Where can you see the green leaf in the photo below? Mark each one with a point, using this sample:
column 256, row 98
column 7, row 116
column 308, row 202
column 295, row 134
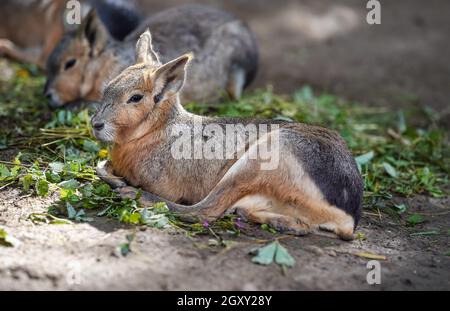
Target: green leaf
column 4, row 171
column 155, row 217
column 90, row 146
column 81, row 216
column 267, row 228
column 87, row 191
column 26, row 181
column 130, row 237
column 7, row 240
column 56, row 167
column 365, row 158
column 102, row 190
column 135, row 218
column 125, row 249
column 401, row 123
column 400, row 208
column 71, row 212
column 282, row 256
column 42, row 187
column 71, row 184
column 265, row 255
column 390, row 169
column 274, row 252
column 104, row 212
column 414, row 219
column 62, row 117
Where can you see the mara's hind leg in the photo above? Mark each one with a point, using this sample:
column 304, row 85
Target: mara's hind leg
column 236, row 82
column 321, row 215
column 262, row 210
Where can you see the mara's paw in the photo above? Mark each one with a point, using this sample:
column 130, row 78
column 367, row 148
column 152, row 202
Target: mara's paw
column 135, row 194
column 5, row 47
column 127, row 192
column 343, row 232
column 290, row 226
column 105, row 172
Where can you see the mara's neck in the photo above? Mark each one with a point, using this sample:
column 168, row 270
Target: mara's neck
column 169, row 113
column 128, row 155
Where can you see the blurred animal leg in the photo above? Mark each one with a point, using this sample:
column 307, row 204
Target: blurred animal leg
column 236, row 82
column 10, row 50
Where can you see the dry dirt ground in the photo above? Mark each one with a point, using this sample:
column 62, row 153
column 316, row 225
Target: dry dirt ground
column 327, row 44
column 85, row 257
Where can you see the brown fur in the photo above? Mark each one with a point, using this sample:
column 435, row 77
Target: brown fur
column 288, row 198
column 39, row 30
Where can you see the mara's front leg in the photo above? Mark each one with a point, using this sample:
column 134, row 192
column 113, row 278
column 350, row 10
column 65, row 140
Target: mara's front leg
column 12, row 51
column 106, row 173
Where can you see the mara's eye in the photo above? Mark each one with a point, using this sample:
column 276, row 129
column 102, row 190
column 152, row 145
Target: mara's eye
column 135, row 99
column 70, row 64
column 157, row 98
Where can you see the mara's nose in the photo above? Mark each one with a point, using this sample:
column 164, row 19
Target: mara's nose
column 98, row 126
column 49, row 95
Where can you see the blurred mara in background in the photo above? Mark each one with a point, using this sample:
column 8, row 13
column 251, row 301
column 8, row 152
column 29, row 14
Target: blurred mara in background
column 30, row 29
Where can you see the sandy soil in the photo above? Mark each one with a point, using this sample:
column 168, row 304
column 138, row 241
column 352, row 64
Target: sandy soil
column 84, row 256
column 326, row 44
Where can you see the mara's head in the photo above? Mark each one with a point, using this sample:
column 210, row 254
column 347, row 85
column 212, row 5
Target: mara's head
column 72, row 65
column 141, row 97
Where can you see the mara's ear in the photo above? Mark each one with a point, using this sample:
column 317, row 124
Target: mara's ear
column 94, row 31
column 144, row 50
column 169, row 78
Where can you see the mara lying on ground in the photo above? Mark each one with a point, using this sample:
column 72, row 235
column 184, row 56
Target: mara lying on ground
column 314, row 185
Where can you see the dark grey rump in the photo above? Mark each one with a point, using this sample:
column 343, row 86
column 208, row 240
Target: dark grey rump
column 331, row 166
column 119, row 17
column 324, row 156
